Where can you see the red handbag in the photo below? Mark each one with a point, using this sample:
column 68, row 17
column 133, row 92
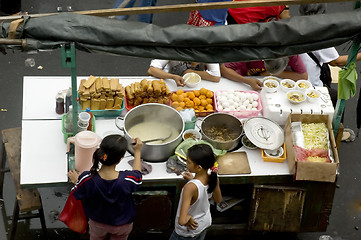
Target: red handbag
column 73, row 215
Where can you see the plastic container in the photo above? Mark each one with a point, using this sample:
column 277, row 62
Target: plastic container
column 108, row 113
column 68, row 122
column 90, row 120
column 85, row 144
column 241, row 113
column 70, row 134
column 201, row 114
column 275, row 159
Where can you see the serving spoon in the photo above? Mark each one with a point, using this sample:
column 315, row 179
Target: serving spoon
column 167, row 134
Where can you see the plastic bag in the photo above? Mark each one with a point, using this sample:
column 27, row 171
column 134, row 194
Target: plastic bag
column 73, row 215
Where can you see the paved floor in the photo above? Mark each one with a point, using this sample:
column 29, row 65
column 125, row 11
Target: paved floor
column 345, row 219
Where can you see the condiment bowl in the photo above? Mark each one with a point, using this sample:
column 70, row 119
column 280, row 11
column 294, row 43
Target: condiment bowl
column 303, row 85
column 312, row 95
column 295, row 96
column 276, row 153
column 191, row 133
column 247, row 143
column 192, row 79
column 287, row 84
column 271, row 85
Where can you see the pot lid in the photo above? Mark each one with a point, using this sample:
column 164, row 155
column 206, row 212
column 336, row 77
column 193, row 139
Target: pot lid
column 264, row 133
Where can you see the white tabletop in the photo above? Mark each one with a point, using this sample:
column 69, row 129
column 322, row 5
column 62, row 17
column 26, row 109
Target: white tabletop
column 43, row 150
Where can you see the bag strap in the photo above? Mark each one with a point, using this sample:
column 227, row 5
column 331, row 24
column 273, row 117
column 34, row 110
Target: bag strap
column 314, row 58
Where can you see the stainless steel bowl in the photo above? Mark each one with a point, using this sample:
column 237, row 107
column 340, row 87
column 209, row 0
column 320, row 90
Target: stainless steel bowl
column 151, row 112
column 222, row 120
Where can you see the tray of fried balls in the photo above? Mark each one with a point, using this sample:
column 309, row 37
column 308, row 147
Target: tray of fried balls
column 146, row 91
column 202, row 101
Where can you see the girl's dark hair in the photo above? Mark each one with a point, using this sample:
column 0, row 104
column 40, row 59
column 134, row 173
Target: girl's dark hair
column 202, row 154
column 111, row 151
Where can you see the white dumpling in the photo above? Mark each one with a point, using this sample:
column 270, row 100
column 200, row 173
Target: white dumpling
column 254, row 109
column 242, row 107
column 219, row 107
column 255, row 97
column 232, row 108
column 254, row 104
column 225, row 104
column 246, row 103
column 226, row 109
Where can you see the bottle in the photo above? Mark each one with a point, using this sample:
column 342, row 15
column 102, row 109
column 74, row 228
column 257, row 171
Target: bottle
column 59, row 107
column 68, row 100
column 90, row 120
column 68, row 122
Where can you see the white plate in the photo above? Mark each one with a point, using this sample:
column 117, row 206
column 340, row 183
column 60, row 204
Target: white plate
column 264, row 133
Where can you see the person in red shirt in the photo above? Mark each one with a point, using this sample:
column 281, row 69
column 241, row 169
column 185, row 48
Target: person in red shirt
column 286, row 67
column 257, row 14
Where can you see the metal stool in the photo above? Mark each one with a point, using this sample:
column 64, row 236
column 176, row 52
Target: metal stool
column 27, row 200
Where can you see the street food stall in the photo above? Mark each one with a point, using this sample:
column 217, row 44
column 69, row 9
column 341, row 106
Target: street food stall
column 269, row 196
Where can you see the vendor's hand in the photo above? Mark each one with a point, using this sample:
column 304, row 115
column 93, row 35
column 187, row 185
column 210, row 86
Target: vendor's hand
column 256, row 84
column 191, row 224
column 137, row 144
column 179, row 80
column 73, row 176
column 187, row 176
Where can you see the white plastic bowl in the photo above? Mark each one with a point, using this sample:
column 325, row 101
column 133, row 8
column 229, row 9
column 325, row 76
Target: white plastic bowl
column 295, row 96
column 193, row 134
column 287, row 84
column 274, row 153
column 271, row 85
column 303, row 85
column 192, row 79
column 312, row 95
column 271, row 78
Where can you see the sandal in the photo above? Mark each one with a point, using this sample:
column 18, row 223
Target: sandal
column 348, row 135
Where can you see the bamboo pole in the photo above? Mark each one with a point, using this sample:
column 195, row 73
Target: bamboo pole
column 8, row 41
column 181, row 8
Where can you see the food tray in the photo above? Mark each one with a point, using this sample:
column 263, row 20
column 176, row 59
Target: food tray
column 275, row 159
column 199, row 114
column 129, row 107
column 244, row 113
column 66, row 134
column 107, row 112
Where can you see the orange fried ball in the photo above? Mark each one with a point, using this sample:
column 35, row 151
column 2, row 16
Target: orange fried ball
column 179, row 92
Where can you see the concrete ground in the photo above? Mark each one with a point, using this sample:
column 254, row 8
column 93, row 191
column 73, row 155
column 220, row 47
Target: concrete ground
column 345, row 219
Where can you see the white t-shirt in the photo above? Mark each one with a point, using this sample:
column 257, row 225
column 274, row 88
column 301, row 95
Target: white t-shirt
column 313, row 70
column 212, row 68
column 199, row 210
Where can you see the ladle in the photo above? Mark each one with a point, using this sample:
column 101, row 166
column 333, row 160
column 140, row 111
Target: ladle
column 167, row 134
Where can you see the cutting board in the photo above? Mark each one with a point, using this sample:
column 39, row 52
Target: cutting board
column 233, row 163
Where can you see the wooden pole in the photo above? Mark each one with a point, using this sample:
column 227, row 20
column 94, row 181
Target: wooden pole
column 182, row 8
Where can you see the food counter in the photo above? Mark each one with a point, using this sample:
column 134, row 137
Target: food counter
column 43, row 148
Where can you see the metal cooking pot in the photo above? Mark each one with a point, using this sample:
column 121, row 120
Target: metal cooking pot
column 223, row 120
column 153, row 112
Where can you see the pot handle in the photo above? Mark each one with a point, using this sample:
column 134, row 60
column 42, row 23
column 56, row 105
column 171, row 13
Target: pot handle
column 121, row 128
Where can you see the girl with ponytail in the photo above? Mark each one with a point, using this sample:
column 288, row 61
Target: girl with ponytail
column 193, row 214
column 106, row 194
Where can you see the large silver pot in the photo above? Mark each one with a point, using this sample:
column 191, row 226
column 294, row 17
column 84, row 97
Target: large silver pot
column 222, row 120
column 153, row 112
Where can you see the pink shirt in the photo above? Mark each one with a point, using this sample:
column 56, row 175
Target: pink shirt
column 254, row 68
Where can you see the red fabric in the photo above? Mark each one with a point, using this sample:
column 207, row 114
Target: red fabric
column 256, row 14
column 196, row 19
column 73, row 215
column 302, row 153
